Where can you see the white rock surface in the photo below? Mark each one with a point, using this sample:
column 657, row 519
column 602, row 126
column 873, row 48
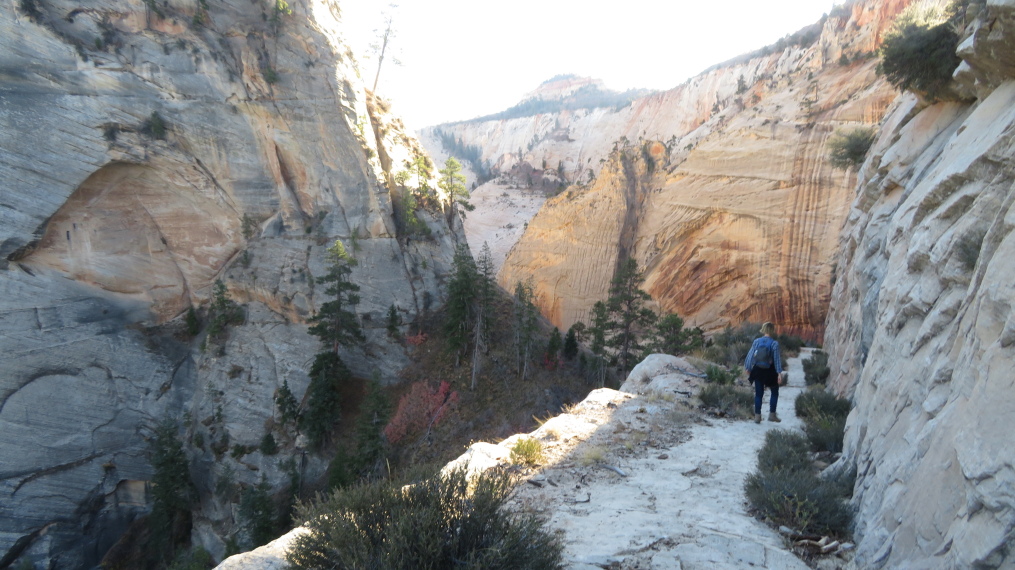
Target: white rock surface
column 920, row 330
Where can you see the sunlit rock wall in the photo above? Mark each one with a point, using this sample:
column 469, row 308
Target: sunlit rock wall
column 734, row 216
column 920, row 330
column 111, row 228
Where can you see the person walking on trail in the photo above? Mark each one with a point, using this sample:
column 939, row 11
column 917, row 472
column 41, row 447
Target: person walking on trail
column 764, row 369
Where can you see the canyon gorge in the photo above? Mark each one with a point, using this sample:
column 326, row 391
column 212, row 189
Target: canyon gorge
column 151, row 149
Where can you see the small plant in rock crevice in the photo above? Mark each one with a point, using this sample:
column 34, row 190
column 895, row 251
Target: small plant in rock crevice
column 527, row 451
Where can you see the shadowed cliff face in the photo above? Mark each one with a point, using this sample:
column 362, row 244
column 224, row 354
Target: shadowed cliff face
column 147, row 150
column 920, row 329
column 719, row 188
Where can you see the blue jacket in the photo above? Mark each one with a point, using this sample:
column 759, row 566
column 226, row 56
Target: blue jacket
column 776, row 357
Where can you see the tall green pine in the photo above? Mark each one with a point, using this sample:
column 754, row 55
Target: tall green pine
column 335, row 323
column 629, row 316
column 525, row 326
column 461, row 303
column 452, row 181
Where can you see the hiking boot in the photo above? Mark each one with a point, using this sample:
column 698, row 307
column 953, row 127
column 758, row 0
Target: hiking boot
column 757, row 418
column 772, row 417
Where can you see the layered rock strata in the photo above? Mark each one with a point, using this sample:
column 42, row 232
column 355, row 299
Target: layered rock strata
column 920, row 329
column 734, row 216
column 148, row 149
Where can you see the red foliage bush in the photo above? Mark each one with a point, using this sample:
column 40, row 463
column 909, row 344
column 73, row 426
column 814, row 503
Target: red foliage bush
column 416, row 340
column 422, row 406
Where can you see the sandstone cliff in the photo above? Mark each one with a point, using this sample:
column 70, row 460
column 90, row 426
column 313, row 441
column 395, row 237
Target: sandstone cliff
column 920, row 328
column 146, row 150
column 734, row 216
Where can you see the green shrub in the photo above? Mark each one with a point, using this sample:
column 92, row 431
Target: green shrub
column 154, row 126
column 728, row 400
column 825, row 431
column 816, row 370
column 817, row 402
column 918, row 53
column 848, row 149
column 786, row 489
column 799, row 500
column 437, row 521
column 824, row 417
column 527, row 451
column 784, row 450
column 720, row 375
column 270, row 77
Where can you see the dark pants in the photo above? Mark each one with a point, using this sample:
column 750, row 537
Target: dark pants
column 763, row 377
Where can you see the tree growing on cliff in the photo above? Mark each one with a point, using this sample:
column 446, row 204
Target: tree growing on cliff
column 629, row 317
column 222, row 312
column 918, row 53
column 335, row 323
column 173, row 492
column 848, row 149
column 323, row 412
column 452, row 181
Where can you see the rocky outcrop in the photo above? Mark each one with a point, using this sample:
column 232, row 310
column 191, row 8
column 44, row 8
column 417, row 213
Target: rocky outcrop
column 721, row 190
column 148, row 149
column 920, row 329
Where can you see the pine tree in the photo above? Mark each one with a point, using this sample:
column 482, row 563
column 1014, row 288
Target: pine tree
column 452, row 181
column 461, row 300
column 288, row 407
column 323, row 404
column 374, row 414
column 257, row 510
column 525, row 325
column 571, row 344
column 173, row 491
column 670, row 336
column 222, row 312
column 393, row 321
column 335, row 324
column 485, row 296
column 599, row 329
column 554, row 345
column 628, row 314
column 597, row 334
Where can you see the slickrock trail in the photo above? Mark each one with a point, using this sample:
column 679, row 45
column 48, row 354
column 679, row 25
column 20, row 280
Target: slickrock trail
column 636, row 480
column 680, row 503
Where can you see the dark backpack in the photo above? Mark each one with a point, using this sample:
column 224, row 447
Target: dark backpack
column 763, row 357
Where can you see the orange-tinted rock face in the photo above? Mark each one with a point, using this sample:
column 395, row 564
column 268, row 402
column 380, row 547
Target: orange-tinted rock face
column 722, row 191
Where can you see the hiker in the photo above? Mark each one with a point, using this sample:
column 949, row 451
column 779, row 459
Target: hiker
column 764, row 368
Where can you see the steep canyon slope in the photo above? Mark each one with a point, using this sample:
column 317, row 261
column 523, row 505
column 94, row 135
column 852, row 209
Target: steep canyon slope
column 920, row 329
column 719, row 188
column 148, row 149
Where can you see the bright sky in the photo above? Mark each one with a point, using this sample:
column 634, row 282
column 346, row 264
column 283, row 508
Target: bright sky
column 465, row 58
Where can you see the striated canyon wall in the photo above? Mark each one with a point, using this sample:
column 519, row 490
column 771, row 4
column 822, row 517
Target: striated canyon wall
column 920, row 330
column 148, row 149
column 719, row 188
